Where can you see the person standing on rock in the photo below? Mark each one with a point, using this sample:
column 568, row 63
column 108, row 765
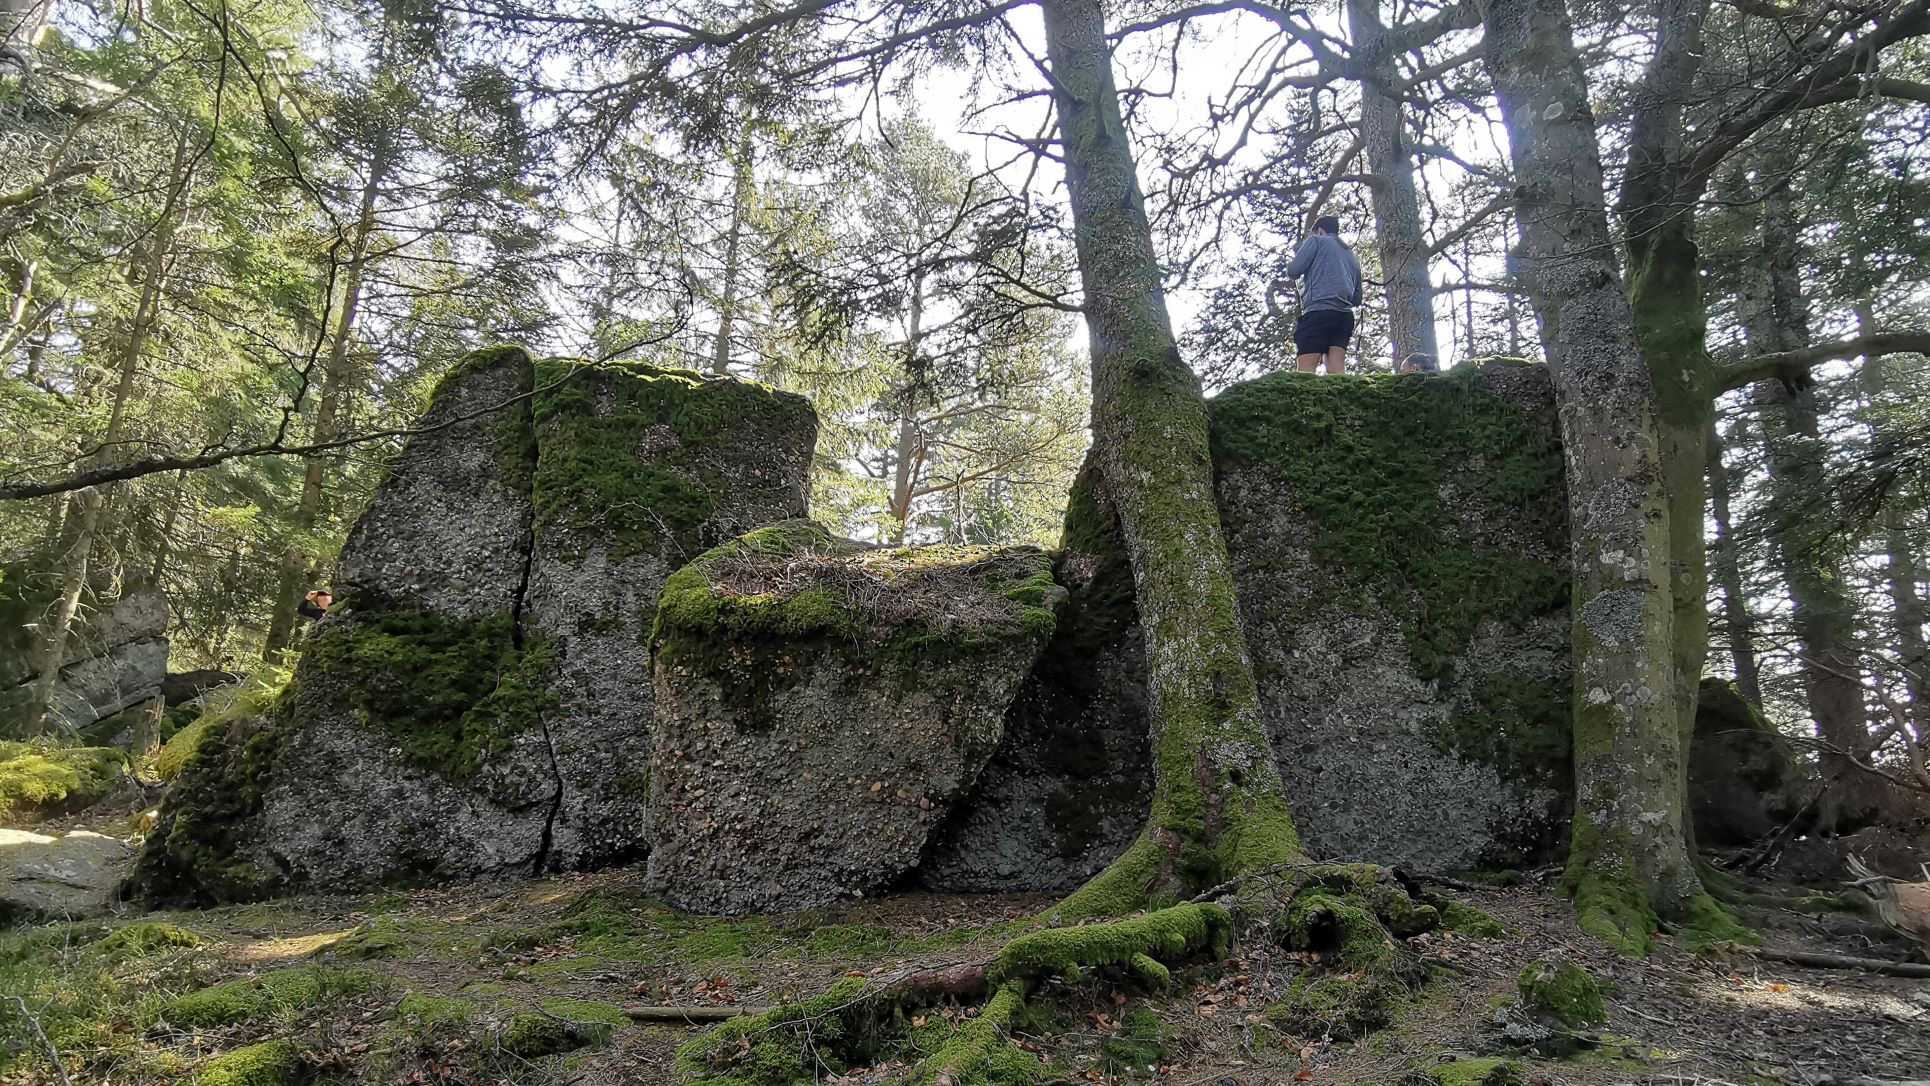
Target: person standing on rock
column 1328, row 297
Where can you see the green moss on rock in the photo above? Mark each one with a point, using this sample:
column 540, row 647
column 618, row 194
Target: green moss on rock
column 1561, row 993
column 41, row 779
column 272, row 1063
column 451, row 694
column 628, row 451
column 196, row 851
column 1370, row 460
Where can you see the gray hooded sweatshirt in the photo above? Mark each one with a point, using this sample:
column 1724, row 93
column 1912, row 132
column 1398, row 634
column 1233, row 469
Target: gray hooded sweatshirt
column 1332, row 273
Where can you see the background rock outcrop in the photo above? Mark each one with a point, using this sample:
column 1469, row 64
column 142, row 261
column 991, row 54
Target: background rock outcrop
column 821, row 705
column 115, row 658
column 436, row 725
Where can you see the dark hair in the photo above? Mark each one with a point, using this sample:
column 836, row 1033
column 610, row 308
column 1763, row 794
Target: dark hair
column 1329, row 223
column 1422, row 361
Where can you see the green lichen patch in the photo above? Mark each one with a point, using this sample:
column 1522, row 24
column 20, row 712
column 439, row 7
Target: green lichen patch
column 1561, row 993
column 282, row 993
column 145, row 939
column 41, row 779
column 452, row 694
column 1371, row 461
column 635, row 456
column 272, row 1063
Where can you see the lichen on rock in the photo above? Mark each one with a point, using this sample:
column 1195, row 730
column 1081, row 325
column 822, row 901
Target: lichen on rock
column 821, row 705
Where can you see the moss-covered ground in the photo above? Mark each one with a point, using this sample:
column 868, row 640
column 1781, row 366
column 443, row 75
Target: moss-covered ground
column 529, row 983
column 46, row 778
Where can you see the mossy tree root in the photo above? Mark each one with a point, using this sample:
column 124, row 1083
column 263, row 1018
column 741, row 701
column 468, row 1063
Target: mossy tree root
column 853, row 1021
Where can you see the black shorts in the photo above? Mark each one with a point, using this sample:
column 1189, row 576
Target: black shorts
column 1319, row 329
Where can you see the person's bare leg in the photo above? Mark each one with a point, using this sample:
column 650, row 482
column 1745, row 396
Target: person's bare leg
column 1307, row 362
column 1336, row 360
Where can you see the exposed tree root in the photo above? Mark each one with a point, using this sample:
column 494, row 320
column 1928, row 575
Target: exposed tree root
column 1841, row 961
column 1347, row 920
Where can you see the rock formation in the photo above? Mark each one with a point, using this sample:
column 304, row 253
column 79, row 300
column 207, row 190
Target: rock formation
column 826, row 718
column 821, row 705
column 1399, row 544
column 444, row 721
column 114, row 659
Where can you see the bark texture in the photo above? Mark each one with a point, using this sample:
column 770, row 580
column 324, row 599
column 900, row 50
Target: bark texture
column 1398, row 238
column 1822, row 611
column 1218, row 805
column 1631, row 857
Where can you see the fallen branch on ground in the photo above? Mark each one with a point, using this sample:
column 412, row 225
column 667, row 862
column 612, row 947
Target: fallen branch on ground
column 690, row 1014
column 1817, row 960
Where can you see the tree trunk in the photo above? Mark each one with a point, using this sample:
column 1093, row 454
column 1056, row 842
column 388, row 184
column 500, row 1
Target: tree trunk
column 296, row 564
column 1822, row 610
column 1398, row 237
column 904, row 473
column 739, row 207
column 1630, row 859
column 1218, row 804
column 151, row 272
column 1727, row 560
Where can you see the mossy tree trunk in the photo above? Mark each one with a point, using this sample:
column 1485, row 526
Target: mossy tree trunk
column 1218, row 806
column 1625, row 435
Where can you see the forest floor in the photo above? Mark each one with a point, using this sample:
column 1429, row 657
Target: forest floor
column 532, row 982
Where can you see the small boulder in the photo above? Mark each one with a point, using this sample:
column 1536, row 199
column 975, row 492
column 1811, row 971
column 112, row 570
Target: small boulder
column 59, row 876
column 821, row 705
column 1556, row 1005
column 1740, row 769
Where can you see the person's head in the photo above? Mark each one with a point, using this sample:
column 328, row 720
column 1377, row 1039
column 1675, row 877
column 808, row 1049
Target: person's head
column 1328, row 225
column 322, row 597
column 1420, row 362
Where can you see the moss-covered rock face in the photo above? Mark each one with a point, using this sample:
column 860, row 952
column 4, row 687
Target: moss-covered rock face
column 1068, row 788
column 821, row 705
column 478, row 701
column 1400, row 547
column 638, row 470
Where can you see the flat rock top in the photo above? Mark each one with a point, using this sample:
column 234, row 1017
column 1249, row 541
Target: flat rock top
column 796, row 579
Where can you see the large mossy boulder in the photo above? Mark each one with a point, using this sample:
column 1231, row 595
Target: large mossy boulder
column 821, row 705
column 440, row 724
column 1400, row 548
column 1743, row 775
column 1399, row 544
column 638, row 471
